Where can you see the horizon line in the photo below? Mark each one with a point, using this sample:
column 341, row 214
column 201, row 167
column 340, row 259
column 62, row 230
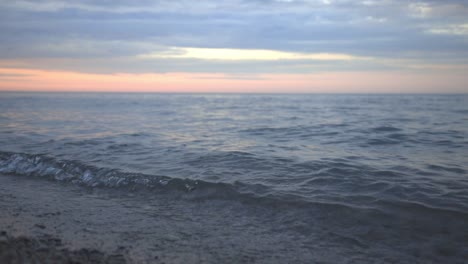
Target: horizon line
column 227, row 92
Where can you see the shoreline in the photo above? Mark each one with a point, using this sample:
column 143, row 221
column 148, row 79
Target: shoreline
column 56, row 222
column 111, row 225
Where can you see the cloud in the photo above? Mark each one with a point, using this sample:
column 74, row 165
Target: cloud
column 450, row 30
column 233, row 35
column 245, row 55
column 7, row 76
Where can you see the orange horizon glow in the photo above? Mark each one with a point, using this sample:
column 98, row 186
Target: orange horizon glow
column 18, row 79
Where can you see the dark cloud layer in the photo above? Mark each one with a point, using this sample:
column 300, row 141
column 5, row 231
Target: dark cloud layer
column 429, row 31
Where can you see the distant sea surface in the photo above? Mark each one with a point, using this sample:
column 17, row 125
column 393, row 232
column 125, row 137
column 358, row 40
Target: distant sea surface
column 368, row 159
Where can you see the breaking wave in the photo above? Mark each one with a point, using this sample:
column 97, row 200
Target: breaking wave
column 46, row 167
column 42, row 166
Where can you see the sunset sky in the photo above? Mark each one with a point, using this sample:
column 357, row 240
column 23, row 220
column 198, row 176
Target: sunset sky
column 325, row 46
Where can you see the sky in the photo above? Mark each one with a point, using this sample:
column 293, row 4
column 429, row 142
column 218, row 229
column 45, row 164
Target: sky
column 303, row 46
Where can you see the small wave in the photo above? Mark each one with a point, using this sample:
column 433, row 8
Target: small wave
column 136, row 134
column 85, row 142
column 230, row 159
column 123, row 146
column 461, row 111
column 382, row 141
column 268, row 130
column 446, row 168
column 327, row 174
column 398, row 136
column 301, row 131
column 42, row 166
column 72, row 171
column 385, row 129
column 421, row 208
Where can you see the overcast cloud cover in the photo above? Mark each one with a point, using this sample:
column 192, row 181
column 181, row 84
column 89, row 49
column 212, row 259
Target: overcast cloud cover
column 152, row 36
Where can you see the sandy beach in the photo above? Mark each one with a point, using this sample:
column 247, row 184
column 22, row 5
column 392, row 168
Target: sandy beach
column 50, row 228
column 45, row 221
column 53, row 222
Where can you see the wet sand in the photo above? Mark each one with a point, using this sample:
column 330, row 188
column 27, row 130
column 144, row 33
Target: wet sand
column 41, row 224
column 47, row 249
column 44, row 221
column 49, row 222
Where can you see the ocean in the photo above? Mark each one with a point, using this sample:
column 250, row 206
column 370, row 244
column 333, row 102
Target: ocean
column 274, row 178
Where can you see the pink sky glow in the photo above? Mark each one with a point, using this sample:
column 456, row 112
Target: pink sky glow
column 17, row 79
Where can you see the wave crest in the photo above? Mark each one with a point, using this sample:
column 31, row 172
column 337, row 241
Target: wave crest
column 75, row 172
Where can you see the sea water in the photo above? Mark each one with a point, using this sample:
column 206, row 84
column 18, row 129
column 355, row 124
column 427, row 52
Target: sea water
column 392, row 169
